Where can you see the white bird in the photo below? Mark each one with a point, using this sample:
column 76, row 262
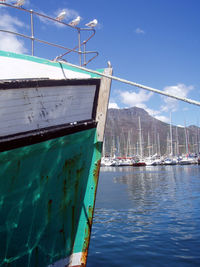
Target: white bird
column 92, row 23
column 19, row 3
column 75, row 21
column 109, row 64
column 61, row 16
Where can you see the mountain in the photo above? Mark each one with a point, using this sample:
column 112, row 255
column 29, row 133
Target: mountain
column 122, row 134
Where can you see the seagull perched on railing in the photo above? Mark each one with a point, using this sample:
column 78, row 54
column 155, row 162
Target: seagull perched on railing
column 61, row 15
column 75, row 21
column 109, row 64
column 19, row 3
column 92, row 23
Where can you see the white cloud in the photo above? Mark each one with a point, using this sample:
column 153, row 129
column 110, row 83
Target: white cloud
column 152, row 112
column 178, row 90
column 10, row 42
column 139, row 31
column 113, row 105
column 10, row 23
column 162, row 118
column 139, row 99
column 135, row 99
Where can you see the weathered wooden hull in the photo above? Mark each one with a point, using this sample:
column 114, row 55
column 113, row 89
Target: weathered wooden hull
column 47, row 198
column 50, row 150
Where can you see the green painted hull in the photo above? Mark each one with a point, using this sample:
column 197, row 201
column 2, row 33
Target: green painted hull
column 47, row 194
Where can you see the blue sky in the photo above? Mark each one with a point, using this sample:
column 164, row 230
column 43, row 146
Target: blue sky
column 152, row 42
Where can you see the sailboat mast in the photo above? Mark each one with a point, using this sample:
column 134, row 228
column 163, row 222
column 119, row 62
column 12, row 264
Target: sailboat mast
column 149, row 147
column 159, row 152
column 140, row 138
column 171, row 142
column 177, row 142
column 186, row 141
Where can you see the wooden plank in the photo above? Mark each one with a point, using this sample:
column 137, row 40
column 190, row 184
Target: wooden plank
column 103, row 101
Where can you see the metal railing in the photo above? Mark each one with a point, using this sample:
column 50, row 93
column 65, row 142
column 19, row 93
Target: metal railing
column 79, row 49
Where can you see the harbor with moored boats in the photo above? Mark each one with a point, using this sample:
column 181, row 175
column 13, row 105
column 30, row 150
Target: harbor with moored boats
column 134, row 138
column 153, row 161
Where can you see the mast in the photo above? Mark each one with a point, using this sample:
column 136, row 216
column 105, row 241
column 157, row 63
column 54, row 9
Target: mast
column 186, row 141
column 158, row 136
column 168, row 144
column 149, row 147
column 177, row 142
column 128, row 145
column 137, row 149
column 140, row 138
column 198, row 150
column 154, row 143
column 171, row 142
column 118, row 146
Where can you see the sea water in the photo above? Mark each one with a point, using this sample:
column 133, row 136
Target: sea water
column 147, row 216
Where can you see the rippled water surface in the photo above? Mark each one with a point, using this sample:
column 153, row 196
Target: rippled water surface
column 147, row 216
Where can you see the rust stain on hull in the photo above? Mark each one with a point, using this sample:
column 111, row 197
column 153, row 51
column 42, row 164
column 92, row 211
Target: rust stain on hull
column 90, row 216
column 96, row 171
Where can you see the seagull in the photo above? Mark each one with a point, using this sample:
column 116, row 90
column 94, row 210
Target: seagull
column 61, row 16
column 92, row 23
column 75, row 21
column 19, row 3
column 109, row 64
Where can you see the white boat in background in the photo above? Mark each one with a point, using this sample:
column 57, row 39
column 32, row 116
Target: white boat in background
column 124, row 162
column 170, row 161
column 151, row 162
column 107, row 161
column 187, row 160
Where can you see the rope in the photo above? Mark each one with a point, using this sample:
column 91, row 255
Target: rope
column 187, row 100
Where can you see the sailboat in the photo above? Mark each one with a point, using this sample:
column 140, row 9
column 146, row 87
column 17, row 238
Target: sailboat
column 186, row 160
column 140, row 161
column 170, row 160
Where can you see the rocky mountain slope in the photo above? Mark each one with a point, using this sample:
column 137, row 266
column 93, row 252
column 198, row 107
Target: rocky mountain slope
column 126, row 136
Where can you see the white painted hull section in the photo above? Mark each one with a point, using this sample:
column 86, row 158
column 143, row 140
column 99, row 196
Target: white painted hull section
column 73, row 260
column 14, row 68
column 28, row 109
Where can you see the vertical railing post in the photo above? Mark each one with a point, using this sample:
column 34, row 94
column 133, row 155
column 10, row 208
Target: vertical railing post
column 84, row 51
column 32, row 32
column 79, row 46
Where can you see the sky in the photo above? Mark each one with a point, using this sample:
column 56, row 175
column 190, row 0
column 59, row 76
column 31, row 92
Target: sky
column 152, row 42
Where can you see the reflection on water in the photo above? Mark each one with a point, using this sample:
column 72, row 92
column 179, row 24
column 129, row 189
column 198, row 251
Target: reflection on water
column 147, row 217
